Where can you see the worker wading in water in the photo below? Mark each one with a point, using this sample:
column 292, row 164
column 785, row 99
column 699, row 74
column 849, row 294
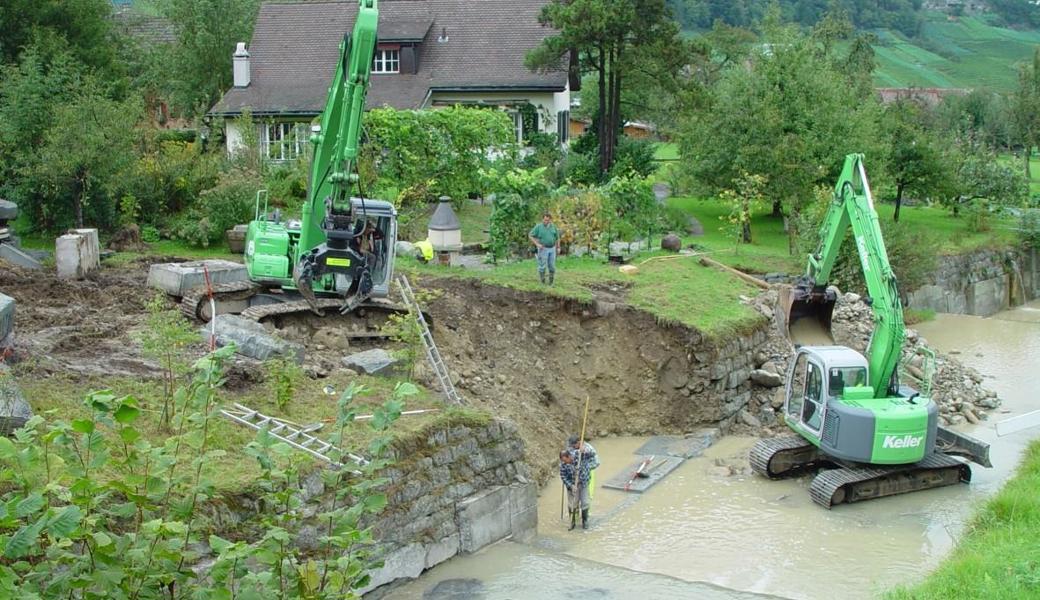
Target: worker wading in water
column 575, row 471
column 574, row 446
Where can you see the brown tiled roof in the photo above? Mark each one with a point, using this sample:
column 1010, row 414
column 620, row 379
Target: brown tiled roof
column 156, row 30
column 295, row 47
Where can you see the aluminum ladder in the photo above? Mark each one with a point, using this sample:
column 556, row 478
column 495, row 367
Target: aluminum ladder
column 433, row 355
column 297, row 437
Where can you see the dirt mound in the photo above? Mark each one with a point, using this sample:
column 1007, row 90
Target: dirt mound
column 80, row 326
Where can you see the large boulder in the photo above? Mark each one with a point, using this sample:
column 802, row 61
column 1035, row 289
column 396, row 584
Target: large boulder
column 372, row 362
column 671, row 242
column 766, row 378
column 8, row 211
column 403, row 248
column 252, row 339
column 14, row 410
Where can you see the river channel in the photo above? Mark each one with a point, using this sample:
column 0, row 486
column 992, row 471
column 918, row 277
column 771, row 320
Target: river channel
column 704, row 534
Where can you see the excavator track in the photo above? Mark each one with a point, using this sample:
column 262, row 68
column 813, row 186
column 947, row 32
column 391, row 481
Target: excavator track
column 195, row 305
column 783, row 456
column 853, row 484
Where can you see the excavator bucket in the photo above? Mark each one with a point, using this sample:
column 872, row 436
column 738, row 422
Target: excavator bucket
column 808, row 310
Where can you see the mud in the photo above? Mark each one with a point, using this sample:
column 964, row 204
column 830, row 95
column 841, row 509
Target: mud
column 84, row 327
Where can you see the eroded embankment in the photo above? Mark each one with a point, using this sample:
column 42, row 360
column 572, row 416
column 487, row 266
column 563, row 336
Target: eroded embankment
column 535, row 358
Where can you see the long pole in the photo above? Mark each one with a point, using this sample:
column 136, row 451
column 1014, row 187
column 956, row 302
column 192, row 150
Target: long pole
column 581, row 448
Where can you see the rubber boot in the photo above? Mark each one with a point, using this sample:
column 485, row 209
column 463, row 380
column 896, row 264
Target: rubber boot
column 541, row 275
column 574, row 520
column 552, row 275
column 584, row 518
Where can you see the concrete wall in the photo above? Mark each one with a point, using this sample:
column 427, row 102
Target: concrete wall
column 981, row 283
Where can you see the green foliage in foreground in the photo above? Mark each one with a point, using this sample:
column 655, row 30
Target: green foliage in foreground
column 999, row 557
column 90, row 508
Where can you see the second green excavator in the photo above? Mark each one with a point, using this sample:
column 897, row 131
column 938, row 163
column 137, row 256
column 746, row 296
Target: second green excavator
column 872, row 435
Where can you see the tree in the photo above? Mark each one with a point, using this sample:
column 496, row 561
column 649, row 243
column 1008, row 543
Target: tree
column 82, row 156
column 985, row 186
column 915, row 161
column 789, row 116
column 207, row 32
column 1025, row 109
column 80, row 26
column 610, row 36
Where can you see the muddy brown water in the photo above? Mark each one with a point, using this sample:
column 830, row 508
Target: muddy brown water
column 701, row 534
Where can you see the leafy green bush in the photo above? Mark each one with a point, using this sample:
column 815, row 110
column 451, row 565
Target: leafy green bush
column 1029, row 227
column 440, row 152
column 218, row 209
column 169, row 177
column 578, row 168
column 634, row 156
column 93, row 509
column 545, row 151
column 512, row 217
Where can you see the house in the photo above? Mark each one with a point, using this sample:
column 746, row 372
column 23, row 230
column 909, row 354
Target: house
column 430, row 53
column 930, row 97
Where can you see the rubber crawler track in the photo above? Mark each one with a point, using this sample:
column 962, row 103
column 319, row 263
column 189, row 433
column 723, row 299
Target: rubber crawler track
column 192, row 302
column 766, row 452
column 853, row 484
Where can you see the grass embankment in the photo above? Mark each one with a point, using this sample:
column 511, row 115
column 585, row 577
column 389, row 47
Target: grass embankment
column 999, row 555
column 62, row 397
column 676, row 290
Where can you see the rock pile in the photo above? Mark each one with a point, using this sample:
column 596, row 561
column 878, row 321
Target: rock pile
column 956, row 388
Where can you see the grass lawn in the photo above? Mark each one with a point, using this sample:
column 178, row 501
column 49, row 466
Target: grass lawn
column 63, row 397
column 475, row 219
column 667, row 151
column 999, row 556
column 769, row 251
column 673, row 289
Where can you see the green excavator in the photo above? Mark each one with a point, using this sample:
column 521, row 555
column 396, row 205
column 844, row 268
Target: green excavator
column 868, row 434
column 340, row 254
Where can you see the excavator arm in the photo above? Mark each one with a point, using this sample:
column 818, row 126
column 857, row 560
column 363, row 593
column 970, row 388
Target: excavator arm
column 853, row 205
column 329, row 230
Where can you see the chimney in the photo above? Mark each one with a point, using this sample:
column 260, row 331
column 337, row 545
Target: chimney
column 241, row 70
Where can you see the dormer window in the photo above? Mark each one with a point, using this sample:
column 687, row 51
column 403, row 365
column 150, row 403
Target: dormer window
column 387, row 60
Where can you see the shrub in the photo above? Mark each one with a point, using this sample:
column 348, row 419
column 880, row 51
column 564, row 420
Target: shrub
column 231, row 202
column 169, row 178
column 1029, row 227
column 512, row 217
column 634, row 156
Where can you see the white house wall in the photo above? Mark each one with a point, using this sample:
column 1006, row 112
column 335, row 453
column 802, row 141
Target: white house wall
column 233, row 136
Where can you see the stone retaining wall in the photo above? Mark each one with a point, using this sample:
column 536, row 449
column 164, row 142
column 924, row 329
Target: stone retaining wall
column 981, row 283
column 454, row 490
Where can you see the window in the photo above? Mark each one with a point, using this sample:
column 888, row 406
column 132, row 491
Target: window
column 387, row 60
column 518, row 125
column 283, row 141
column 813, row 409
column 842, row 377
column 563, row 126
column 796, row 392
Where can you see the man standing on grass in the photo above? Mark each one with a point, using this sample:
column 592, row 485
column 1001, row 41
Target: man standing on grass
column 546, row 238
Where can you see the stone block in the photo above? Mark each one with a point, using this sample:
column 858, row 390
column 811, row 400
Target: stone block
column 252, row 339
column 8, row 211
column 404, row 563
column 14, row 410
column 17, row 256
column 523, row 511
column 6, row 316
column 737, row 377
column 441, row 551
column 988, row 297
column 485, row 518
column 176, row 279
column 373, row 362
column 766, row 378
column 77, row 253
